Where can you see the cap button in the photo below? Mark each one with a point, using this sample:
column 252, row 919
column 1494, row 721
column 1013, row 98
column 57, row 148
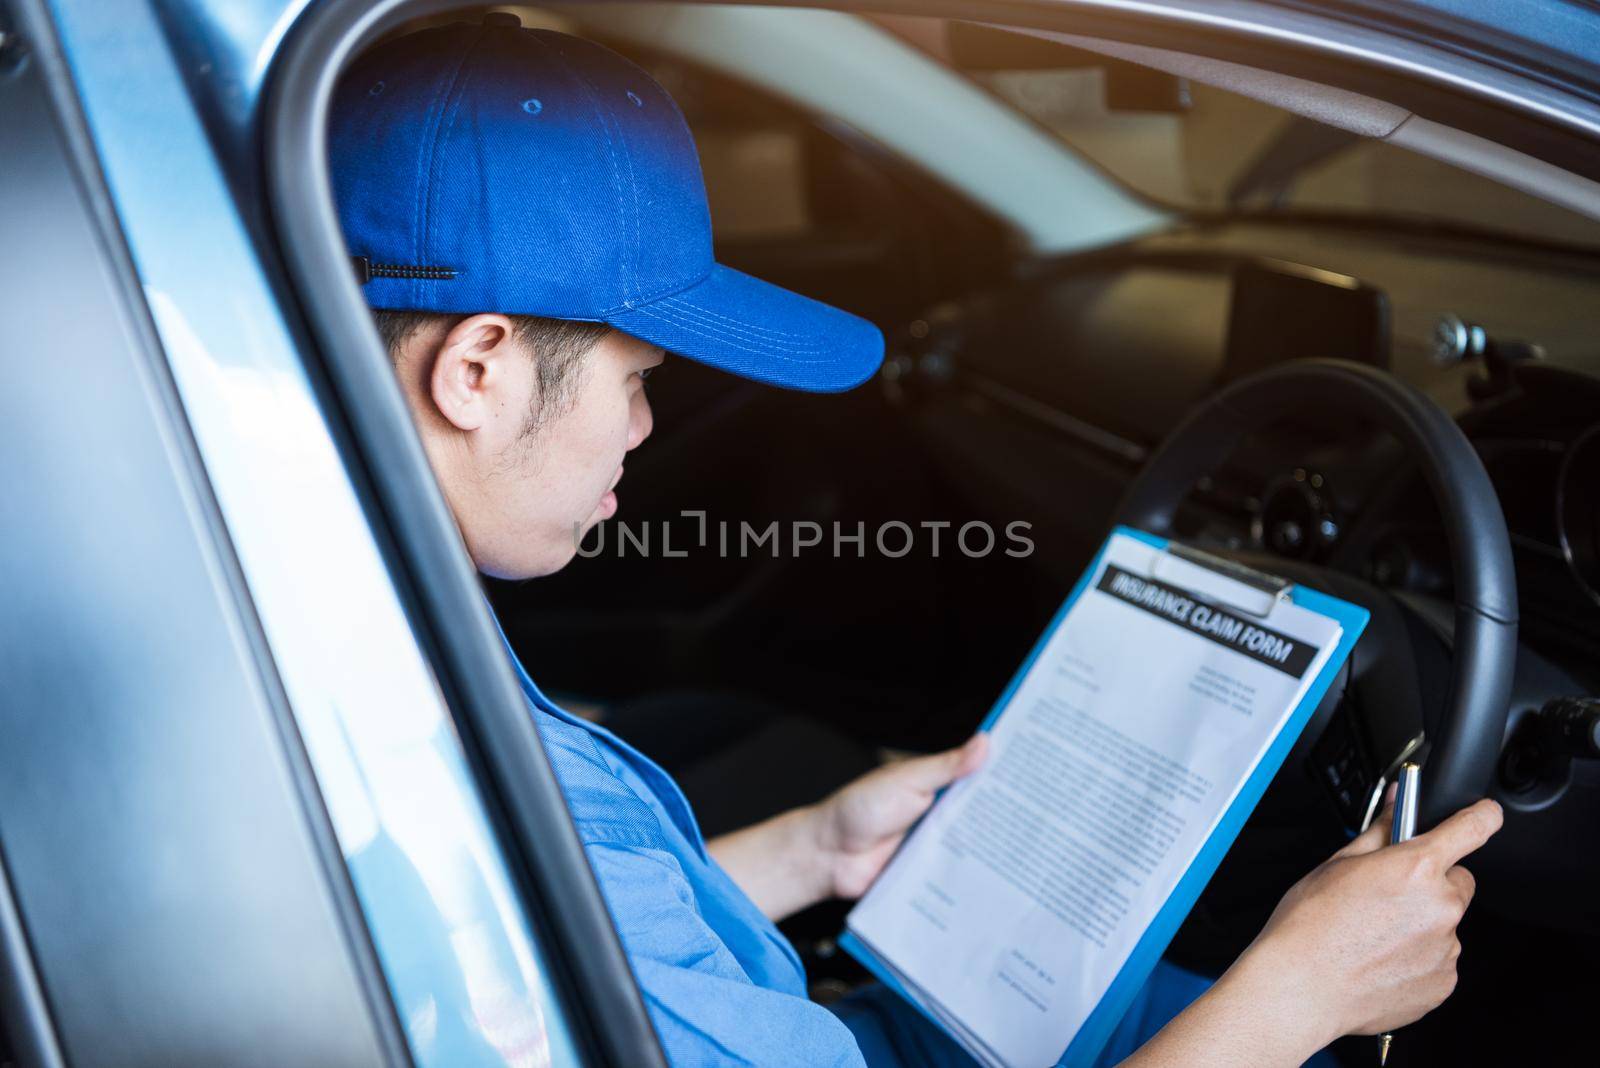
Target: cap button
column 502, row 18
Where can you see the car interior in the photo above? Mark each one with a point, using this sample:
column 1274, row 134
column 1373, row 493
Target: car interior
column 1073, row 242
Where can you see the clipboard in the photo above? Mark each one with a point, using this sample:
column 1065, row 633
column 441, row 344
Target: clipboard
column 1240, row 590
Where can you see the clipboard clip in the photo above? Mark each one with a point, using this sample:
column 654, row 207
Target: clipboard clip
column 1270, row 589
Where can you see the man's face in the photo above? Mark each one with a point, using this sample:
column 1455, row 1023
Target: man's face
column 523, row 499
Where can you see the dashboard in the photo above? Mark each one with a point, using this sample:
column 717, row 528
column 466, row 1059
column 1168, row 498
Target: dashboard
column 1105, row 353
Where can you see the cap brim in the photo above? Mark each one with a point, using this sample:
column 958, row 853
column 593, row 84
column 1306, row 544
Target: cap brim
column 757, row 330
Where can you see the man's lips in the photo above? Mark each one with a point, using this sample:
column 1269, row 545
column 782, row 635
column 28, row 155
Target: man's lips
column 608, row 501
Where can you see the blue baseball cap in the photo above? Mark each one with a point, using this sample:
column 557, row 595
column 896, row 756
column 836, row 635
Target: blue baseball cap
column 486, row 167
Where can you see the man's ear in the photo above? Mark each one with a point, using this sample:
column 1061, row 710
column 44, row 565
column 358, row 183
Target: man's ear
column 473, row 369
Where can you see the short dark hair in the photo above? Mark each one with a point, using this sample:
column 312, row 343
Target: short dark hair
column 556, row 345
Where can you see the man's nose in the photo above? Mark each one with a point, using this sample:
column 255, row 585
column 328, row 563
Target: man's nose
column 640, row 421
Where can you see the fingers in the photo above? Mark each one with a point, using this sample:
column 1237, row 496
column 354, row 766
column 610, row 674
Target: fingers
column 1462, row 833
column 973, row 754
column 1461, row 880
column 1377, row 832
column 938, row 770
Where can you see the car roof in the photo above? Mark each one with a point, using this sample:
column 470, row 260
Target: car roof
column 1556, row 41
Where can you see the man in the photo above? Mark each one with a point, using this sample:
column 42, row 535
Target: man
column 527, row 210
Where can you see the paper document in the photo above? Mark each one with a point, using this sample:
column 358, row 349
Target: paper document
column 1016, row 903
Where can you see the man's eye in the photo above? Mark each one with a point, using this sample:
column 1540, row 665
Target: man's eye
column 646, row 372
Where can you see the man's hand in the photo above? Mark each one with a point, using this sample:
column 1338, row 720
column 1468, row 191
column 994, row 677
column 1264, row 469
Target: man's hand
column 859, row 826
column 1365, row 943
column 837, row 847
column 1374, row 928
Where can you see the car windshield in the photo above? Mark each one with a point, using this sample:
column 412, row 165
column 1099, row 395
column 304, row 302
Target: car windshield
column 1205, row 150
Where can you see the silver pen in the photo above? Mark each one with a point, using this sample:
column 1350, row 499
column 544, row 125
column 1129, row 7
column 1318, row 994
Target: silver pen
column 1404, row 826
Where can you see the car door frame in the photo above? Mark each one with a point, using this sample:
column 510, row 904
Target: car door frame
column 490, row 708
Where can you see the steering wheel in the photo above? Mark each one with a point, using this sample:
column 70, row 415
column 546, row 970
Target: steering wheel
column 1464, row 746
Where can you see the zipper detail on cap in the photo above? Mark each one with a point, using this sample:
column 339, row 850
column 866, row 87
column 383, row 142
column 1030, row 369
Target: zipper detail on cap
column 366, row 270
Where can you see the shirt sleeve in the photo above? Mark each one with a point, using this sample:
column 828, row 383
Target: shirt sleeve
column 705, row 1009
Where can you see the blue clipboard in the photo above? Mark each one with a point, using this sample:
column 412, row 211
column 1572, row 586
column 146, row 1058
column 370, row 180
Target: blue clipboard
column 1119, row 996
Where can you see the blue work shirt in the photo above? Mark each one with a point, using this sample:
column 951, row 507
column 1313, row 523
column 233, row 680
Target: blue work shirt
column 720, row 981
